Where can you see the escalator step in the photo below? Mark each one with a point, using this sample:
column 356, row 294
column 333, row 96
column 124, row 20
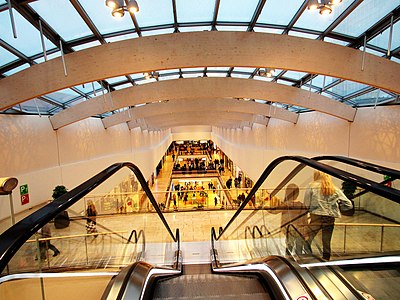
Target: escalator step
column 208, row 285
column 255, row 296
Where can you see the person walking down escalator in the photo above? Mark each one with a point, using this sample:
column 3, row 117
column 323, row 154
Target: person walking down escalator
column 323, row 198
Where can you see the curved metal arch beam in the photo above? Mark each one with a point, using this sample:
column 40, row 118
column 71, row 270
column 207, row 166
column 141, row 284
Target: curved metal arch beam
column 199, row 49
column 217, row 104
column 208, row 87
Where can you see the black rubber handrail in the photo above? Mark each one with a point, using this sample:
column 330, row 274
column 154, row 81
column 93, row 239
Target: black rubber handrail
column 14, row 237
column 349, row 161
column 370, row 185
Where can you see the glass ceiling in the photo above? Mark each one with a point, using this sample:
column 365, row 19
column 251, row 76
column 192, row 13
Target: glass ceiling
column 81, row 24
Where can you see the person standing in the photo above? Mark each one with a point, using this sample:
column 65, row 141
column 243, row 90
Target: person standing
column 91, row 214
column 323, row 198
column 46, row 233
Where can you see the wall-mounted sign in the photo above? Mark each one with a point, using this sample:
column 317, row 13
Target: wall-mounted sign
column 23, row 190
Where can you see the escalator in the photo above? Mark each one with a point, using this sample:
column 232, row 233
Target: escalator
column 232, row 274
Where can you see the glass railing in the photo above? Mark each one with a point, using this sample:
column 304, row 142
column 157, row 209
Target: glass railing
column 280, row 225
column 40, row 243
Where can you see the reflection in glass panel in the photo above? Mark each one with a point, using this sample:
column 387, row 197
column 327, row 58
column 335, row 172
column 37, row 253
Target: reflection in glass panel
column 28, row 37
column 157, row 32
column 17, row 69
column 116, row 79
column 87, row 45
column 123, row 86
column 192, row 75
column 195, row 11
column 212, row 74
column 365, row 16
column 168, row 77
column 268, row 30
column 63, row 95
column 59, row 13
column 238, row 75
column 6, row 57
column 295, row 75
column 174, row 71
column 319, row 80
column 88, row 87
column 194, row 28
column 303, row 34
column 334, row 41
column 218, row 69
column 262, row 78
column 231, row 28
column 286, row 12
column 121, row 37
column 102, row 18
column 155, row 12
column 236, row 10
column 49, row 57
column 312, row 19
column 382, row 40
column 192, row 69
column 373, row 97
column 242, row 69
column 347, row 87
column 36, row 106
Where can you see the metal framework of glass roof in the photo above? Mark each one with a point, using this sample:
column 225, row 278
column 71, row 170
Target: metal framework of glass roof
column 368, row 25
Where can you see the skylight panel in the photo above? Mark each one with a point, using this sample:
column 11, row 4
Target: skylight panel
column 312, row 19
column 194, row 28
column 382, row 40
column 236, row 10
column 303, row 34
column 286, row 13
column 88, row 87
column 268, row 30
column 102, row 18
column 155, row 12
column 121, row 37
column 294, row 75
column 17, row 69
column 195, row 10
column 28, row 39
column 123, row 86
column 372, row 98
column 365, row 16
column 239, row 75
column 63, row 96
column 116, row 79
column 36, row 106
column 59, row 13
column 231, row 28
column 49, row 57
column 6, row 57
column 87, row 45
column 158, row 31
column 347, row 87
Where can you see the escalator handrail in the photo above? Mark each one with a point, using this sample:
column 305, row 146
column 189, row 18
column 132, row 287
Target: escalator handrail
column 14, row 237
column 384, row 191
column 347, row 160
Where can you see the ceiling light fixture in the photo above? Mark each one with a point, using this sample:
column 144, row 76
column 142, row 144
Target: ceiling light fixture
column 150, row 75
column 324, row 6
column 266, row 72
column 118, row 7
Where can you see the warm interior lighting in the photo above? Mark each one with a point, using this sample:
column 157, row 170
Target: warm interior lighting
column 324, row 6
column 118, row 12
column 313, row 5
column 325, row 10
column 111, row 3
column 133, row 6
column 267, row 72
column 119, row 8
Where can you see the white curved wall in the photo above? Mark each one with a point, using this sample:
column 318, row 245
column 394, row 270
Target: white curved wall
column 44, row 158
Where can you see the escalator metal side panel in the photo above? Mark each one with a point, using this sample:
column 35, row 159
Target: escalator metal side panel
column 135, row 282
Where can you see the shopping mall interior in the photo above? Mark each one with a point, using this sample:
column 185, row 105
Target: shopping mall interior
column 167, row 149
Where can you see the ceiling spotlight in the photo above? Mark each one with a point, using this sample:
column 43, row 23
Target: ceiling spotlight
column 325, row 10
column 266, row 72
column 324, row 6
column 133, row 6
column 118, row 12
column 118, row 7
